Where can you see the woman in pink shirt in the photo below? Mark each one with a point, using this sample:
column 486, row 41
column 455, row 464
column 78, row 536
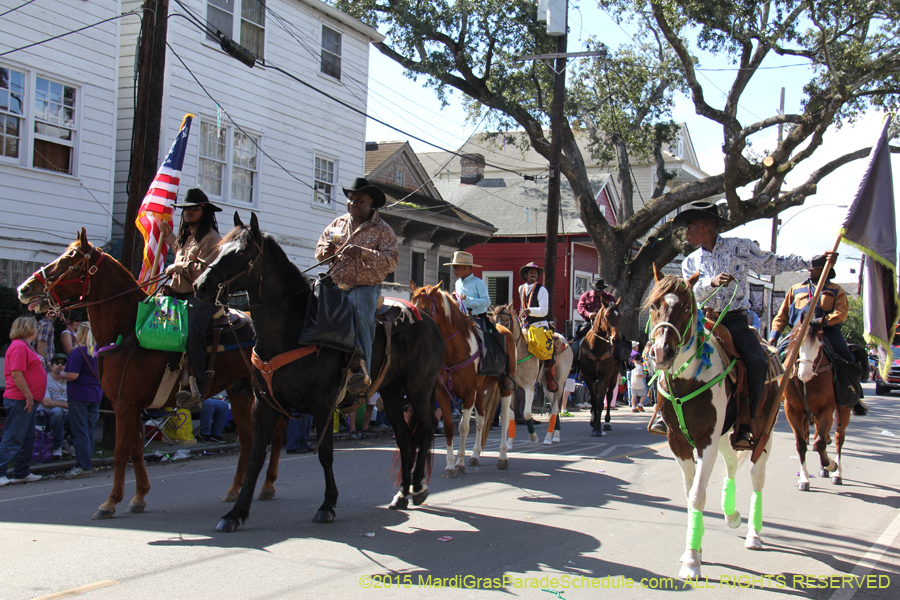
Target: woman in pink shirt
column 26, row 383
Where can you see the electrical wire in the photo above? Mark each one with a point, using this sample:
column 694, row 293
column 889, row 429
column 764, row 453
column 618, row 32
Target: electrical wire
column 62, row 35
column 16, row 8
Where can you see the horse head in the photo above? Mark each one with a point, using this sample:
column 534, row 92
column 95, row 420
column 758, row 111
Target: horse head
column 810, row 347
column 430, row 299
column 608, row 321
column 239, row 251
column 65, row 281
column 505, row 315
column 672, row 312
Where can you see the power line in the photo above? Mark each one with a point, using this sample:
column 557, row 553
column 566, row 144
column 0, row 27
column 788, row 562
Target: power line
column 62, row 35
column 16, row 8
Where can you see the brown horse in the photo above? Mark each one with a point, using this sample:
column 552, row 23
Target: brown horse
column 85, row 276
column 598, row 365
column 809, row 396
column 459, row 374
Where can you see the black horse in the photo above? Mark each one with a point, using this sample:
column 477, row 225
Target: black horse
column 252, row 261
column 599, row 366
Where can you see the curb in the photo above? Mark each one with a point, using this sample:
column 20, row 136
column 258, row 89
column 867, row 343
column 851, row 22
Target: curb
column 64, row 465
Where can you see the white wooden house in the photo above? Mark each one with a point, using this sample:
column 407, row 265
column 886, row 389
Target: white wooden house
column 260, row 140
column 57, row 128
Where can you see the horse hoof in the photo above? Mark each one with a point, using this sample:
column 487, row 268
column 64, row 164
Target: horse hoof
column 103, row 513
column 823, row 473
column 607, row 427
column 230, row 497
column 532, row 437
column 753, row 541
column 837, row 481
column 266, row 495
column 323, row 516
column 596, row 433
column 460, row 470
column 548, row 441
column 556, row 438
column 474, row 462
column 733, row 520
column 503, row 464
column 449, row 474
column 135, row 509
column 227, row 525
column 420, row 496
column 400, row 502
column 803, row 486
column 689, row 572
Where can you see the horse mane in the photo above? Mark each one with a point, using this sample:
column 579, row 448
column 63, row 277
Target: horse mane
column 669, row 284
column 456, row 317
column 282, row 264
column 76, row 245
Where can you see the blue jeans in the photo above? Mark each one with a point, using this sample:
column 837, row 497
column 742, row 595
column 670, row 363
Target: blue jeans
column 212, row 416
column 55, row 418
column 82, row 419
column 18, row 438
column 364, row 299
column 298, row 433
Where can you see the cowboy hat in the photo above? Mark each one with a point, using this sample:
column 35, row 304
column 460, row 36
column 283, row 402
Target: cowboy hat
column 698, row 211
column 461, row 259
column 818, row 262
column 531, row 265
column 196, row 198
column 599, row 285
column 361, row 184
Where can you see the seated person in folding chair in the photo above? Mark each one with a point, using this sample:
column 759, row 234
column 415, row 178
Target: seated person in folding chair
column 212, row 421
column 473, row 293
column 55, row 404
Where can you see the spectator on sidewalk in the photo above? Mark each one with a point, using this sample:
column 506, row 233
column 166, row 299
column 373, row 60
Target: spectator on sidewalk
column 84, row 393
column 67, row 335
column 212, row 421
column 43, row 343
column 26, row 384
column 297, row 438
column 53, row 409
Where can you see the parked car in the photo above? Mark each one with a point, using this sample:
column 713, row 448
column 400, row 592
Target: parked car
column 883, row 386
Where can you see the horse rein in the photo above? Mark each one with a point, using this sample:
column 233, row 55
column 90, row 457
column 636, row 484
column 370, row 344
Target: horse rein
column 82, row 263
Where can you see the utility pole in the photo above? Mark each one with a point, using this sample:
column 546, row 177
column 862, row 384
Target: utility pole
column 775, row 221
column 149, row 71
column 557, row 116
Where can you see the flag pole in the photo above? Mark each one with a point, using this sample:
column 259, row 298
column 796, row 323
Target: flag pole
column 794, row 350
column 156, row 257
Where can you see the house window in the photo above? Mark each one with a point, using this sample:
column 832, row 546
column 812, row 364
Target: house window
column 51, row 122
column 444, row 272
column 331, row 52
column 249, row 30
column 582, row 284
column 323, row 177
column 229, row 163
column 417, row 268
column 14, row 272
column 12, row 111
column 398, row 180
column 499, row 285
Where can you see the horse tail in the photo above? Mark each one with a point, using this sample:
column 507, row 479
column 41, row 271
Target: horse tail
column 490, row 407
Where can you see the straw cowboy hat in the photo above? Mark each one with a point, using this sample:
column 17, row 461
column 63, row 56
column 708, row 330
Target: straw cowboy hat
column 361, row 184
column 699, row 211
column 461, row 259
column 195, row 197
column 531, row 265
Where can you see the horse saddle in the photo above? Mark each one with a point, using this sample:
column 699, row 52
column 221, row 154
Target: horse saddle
column 219, row 333
column 397, row 312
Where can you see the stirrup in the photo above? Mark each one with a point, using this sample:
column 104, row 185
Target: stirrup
column 189, row 400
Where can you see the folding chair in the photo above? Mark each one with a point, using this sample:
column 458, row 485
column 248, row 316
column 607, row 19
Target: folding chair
column 158, row 419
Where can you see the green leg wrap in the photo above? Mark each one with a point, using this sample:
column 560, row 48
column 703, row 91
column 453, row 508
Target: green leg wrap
column 756, row 512
column 530, row 423
column 695, row 529
column 728, row 497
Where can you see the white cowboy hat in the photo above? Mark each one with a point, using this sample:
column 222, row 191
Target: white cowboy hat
column 461, row 259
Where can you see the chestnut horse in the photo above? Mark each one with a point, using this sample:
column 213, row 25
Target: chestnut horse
column 530, row 370
column 312, row 379
column 459, row 375
column 809, row 396
column 598, row 365
column 693, row 391
column 84, row 276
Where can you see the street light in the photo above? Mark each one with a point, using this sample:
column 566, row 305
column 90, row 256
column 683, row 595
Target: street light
column 806, row 209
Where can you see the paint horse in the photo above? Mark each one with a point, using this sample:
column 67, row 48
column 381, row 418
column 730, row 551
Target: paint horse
column 598, row 365
column 693, row 392
column 459, row 375
column 809, row 398
column 529, row 371
column 85, row 276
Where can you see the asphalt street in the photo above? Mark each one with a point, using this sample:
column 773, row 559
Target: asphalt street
column 584, row 518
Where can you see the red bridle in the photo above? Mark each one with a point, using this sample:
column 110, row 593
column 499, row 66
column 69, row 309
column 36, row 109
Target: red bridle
column 56, row 303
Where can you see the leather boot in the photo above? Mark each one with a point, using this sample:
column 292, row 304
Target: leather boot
column 552, row 387
column 359, row 381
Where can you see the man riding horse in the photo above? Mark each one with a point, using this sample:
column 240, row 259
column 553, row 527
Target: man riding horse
column 589, row 305
column 473, row 293
column 196, row 245
column 534, row 302
column 723, row 265
column 363, row 249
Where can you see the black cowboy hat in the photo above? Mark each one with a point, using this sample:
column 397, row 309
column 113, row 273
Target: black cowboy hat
column 599, row 285
column 698, row 211
column 531, row 265
column 196, row 197
column 818, row 262
column 361, row 184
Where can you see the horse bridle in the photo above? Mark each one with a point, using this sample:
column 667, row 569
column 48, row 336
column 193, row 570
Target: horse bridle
column 226, row 282
column 56, row 303
column 682, row 338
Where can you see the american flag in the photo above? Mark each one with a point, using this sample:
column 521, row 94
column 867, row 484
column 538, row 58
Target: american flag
column 157, row 209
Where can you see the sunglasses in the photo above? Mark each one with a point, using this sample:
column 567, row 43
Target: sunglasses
column 59, row 362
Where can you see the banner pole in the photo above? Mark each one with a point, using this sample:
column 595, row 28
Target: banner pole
column 794, row 351
column 152, row 272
